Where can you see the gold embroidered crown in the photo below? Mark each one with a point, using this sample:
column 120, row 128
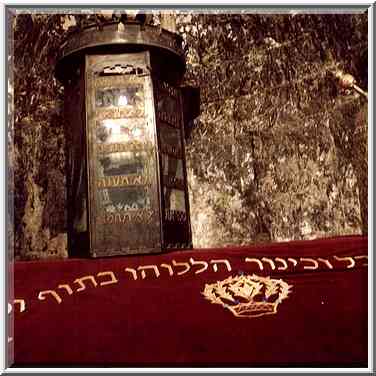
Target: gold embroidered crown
column 248, row 296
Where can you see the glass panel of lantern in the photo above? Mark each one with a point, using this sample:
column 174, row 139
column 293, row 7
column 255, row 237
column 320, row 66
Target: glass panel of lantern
column 176, row 226
column 123, row 191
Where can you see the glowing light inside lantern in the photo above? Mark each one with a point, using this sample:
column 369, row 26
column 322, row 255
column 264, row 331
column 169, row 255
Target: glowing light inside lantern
column 123, row 100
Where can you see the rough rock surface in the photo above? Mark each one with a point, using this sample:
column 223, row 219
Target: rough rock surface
column 256, row 174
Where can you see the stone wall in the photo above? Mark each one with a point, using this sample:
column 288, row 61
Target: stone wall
column 36, row 168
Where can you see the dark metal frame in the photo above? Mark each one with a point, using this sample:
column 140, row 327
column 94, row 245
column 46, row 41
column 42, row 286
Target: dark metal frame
column 175, row 235
column 117, row 37
column 159, row 55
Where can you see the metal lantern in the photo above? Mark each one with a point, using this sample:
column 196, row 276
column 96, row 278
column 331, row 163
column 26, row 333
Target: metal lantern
column 126, row 117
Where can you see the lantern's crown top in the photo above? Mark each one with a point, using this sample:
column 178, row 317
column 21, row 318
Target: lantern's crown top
column 120, row 37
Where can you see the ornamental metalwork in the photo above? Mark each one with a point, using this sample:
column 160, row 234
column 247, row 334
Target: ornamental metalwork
column 125, row 125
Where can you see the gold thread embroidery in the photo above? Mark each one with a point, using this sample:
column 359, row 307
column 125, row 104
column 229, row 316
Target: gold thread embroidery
column 41, row 295
column 204, row 263
column 259, row 295
column 109, row 282
column 22, row 304
column 132, row 271
column 293, row 261
column 350, row 259
column 326, row 262
column 145, row 267
column 362, row 257
column 257, row 261
column 169, row 268
column 81, row 283
column 311, row 267
column 271, row 263
column 283, row 262
column 215, row 266
column 67, row 287
column 184, row 264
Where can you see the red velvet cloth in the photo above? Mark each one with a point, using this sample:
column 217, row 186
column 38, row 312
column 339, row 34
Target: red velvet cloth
column 166, row 321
